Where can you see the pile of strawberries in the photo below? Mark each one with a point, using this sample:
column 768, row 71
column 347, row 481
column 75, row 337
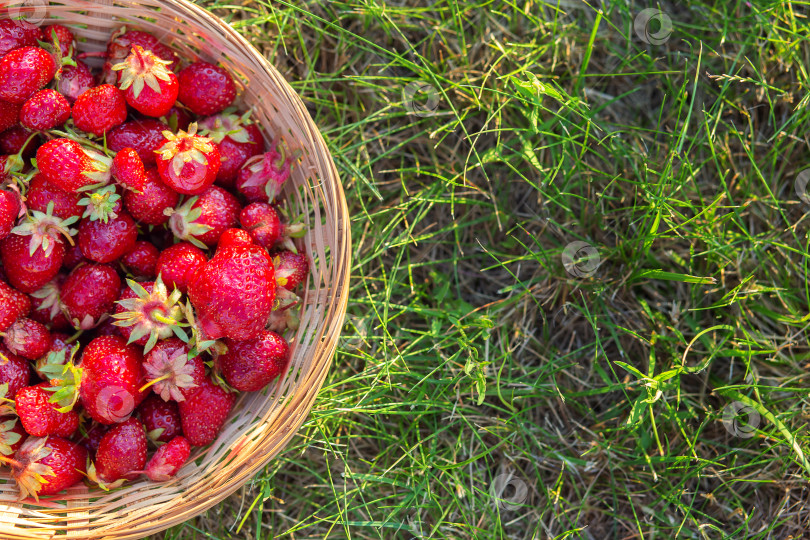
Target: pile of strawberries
column 148, row 270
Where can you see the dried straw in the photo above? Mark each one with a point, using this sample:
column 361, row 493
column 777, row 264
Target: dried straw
column 262, row 423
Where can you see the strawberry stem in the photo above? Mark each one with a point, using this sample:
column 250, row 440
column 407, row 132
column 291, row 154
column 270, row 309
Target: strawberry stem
column 153, row 381
column 157, row 316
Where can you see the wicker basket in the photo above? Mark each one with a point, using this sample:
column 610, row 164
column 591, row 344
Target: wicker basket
column 263, row 422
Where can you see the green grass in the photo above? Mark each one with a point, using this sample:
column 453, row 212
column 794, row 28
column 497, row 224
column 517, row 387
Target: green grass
column 476, row 346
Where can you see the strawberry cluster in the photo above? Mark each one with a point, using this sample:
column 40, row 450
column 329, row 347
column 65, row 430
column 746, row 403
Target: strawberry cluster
column 148, row 270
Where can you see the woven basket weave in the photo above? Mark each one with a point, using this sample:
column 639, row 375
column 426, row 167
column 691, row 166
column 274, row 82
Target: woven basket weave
column 262, row 422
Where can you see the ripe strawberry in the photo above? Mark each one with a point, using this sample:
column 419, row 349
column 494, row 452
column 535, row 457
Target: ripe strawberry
column 154, row 198
column 13, row 305
column 42, row 191
column 40, row 417
column 12, row 435
column 234, row 237
column 168, row 459
column 149, row 86
column 32, row 254
column 19, row 140
column 18, row 33
column 121, row 455
column 188, row 163
column 291, row 269
column 70, row 166
column 238, row 140
column 106, row 242
column 141, row 260
column 46, row 304
column 263, row 176
column 10, row 209
column 170, row 372
column 176, row 264
column 89, row 292
column 23, row 71
column 265, row 225
column 205, row 88
column 74, row 81
column 44, row 110
column 9, row 114
column 15, row 372
column 121, row 44
column 28, row 338
column 233, row 293
column 45, row 466
column 100, row 109
column 128, row 169
column 144, row 136
column 177, row 119
column 65, row 38
column 204, row 412
column 201, row 220
column 112, row 376
column 148, row 312
column 250, row 365
column 157, row 414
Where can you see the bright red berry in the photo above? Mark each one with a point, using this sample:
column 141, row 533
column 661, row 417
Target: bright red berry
column 65, row 38
column 45, row 466
column 149, row 85
column 44, row 110
column 176, row 264
column 106, row 242
column 148, row 206
column 28, row 338
column 234, row 237
column 263, row 176
column 70, row 166
column 291, row 268
column 128, row 169
column 144, row 136
column 100, row 109
column 121, row 454
column 23, row 71
column 204, row 412
column 10, row 210
column 41, row 191
column 40, row 417
column 141, row 260
column 89, row 292
column 266, row 227
column 18, row 33
column 201, row 220
column 168, row 459
column 233, row 293
column 188, row 163
column 205, row 88
column 157, row 414
column 112, row 376
column 250, row 365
